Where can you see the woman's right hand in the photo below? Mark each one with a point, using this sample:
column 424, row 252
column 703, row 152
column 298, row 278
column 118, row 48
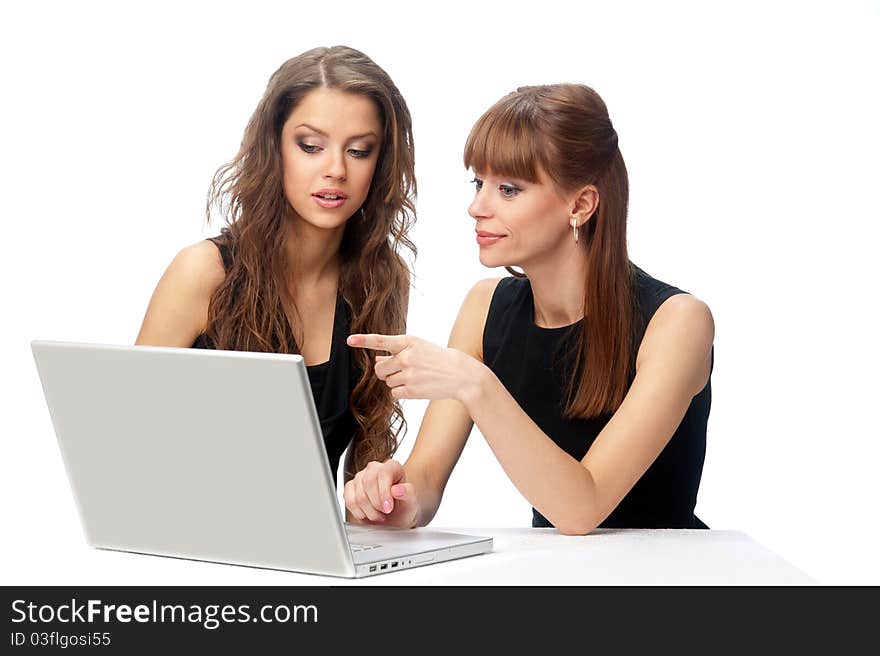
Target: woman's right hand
column 379, row 494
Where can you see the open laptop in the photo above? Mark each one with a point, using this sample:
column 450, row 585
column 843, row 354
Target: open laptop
column 212, row 455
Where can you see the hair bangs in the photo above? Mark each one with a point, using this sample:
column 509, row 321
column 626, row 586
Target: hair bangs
column 506, row 142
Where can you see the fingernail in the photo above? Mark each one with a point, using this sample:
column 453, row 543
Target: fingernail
column 386, row 506
column 397, row 490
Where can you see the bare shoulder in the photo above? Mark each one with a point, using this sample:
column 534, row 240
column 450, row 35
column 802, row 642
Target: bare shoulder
column 680, row 336
column 178, row 309
column 685, row 312
column 480, row 295
column 199, row 264
column 467, row 334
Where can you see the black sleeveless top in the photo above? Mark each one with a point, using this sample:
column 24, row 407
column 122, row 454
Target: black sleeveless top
column 332, row 382
column 527, row 360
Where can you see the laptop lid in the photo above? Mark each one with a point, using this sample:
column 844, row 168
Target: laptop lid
column 211, row 455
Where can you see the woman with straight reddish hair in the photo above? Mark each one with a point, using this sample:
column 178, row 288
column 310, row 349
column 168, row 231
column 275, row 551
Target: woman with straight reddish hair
column 589, row 378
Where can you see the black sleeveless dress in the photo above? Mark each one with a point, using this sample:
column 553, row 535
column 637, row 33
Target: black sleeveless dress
column 332, row 382
column 529, row 362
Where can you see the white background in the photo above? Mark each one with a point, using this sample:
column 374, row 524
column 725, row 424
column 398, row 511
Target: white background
column 751, row 136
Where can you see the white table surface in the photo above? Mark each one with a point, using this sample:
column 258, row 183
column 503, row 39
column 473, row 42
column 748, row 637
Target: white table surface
column 521, row 556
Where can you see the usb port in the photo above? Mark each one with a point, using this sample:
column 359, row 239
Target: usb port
column 394, row 564
column 372, row 568
column 384, row 566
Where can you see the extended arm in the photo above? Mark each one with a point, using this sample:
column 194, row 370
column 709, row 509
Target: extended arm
column 409, row 495
column 672, row 366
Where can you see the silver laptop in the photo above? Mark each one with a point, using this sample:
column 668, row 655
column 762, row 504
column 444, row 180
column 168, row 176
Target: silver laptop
column 212, row 455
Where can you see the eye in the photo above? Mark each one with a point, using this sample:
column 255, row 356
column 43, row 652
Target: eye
column 309, row 148
column 509, row 191
column 359, row 154
column 477, row 183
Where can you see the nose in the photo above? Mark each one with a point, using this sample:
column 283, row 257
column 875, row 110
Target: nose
column 336, row 166
column 479, row 208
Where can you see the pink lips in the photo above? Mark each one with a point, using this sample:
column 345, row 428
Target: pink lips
column 321, row 198
column 488, row 238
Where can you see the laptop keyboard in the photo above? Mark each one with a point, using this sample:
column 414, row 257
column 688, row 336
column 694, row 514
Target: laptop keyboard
column 363, row 547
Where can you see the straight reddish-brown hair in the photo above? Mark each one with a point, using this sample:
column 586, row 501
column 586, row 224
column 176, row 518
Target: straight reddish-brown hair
column 564, row 130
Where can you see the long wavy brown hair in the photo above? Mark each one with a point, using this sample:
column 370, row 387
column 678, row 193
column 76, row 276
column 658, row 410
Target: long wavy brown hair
column 564, row 130
column 252, row 309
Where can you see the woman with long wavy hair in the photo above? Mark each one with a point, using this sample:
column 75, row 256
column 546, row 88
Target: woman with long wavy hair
column 318, row 204
column 588, row 378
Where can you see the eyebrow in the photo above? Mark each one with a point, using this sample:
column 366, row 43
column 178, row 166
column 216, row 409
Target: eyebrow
column 324, row 134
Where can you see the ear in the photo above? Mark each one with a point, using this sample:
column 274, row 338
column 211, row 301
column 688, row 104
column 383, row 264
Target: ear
column 584, row 205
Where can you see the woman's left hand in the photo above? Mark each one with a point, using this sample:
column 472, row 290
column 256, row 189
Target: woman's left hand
column 417, row 369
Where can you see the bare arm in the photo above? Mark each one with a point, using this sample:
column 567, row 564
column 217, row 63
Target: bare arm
column 441, row 439
column 447, row 422
column 673, row 365
column 178, row 309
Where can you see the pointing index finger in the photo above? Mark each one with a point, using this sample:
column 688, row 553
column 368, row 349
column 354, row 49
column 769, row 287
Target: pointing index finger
column 392, row 343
